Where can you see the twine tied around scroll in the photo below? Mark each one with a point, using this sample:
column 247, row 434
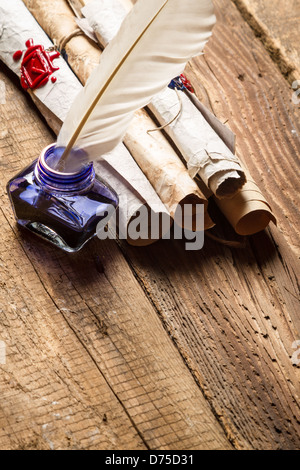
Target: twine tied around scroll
column 173, row 120
column 64, row 41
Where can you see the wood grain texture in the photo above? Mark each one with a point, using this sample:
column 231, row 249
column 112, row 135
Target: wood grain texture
column 276, row 23
column 234, row 314
column 126, row 348
column 89, row 364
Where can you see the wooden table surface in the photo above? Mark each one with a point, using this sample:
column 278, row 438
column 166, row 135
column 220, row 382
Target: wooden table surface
column 159, row 348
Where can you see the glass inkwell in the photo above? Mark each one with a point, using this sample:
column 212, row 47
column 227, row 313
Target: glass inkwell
column 66, row 209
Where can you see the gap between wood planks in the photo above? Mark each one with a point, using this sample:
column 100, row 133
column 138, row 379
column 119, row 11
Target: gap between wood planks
column 267, row 20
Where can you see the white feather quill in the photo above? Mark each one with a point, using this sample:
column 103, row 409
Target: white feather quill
column 156, row 40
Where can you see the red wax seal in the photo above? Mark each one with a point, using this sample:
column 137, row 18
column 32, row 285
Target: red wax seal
column 187, row 83
column 17, row 55
column 37, row 66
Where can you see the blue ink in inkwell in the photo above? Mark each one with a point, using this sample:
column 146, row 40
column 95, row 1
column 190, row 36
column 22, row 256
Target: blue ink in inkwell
column 64, row 208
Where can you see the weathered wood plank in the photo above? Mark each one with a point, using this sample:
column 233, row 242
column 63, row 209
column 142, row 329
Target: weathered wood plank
column 234, row 314
column 276, row 23
column 89, row 364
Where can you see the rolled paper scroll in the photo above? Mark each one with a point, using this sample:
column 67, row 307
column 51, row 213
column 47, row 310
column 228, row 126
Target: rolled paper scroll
column 112, row 14
column 17, row 25
column 164, row 169
column 228, row 137
column 58, row 21
column 248, row 212
column 205, row 153
column 131, row 203
column 76, row 6
column 41, row 10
